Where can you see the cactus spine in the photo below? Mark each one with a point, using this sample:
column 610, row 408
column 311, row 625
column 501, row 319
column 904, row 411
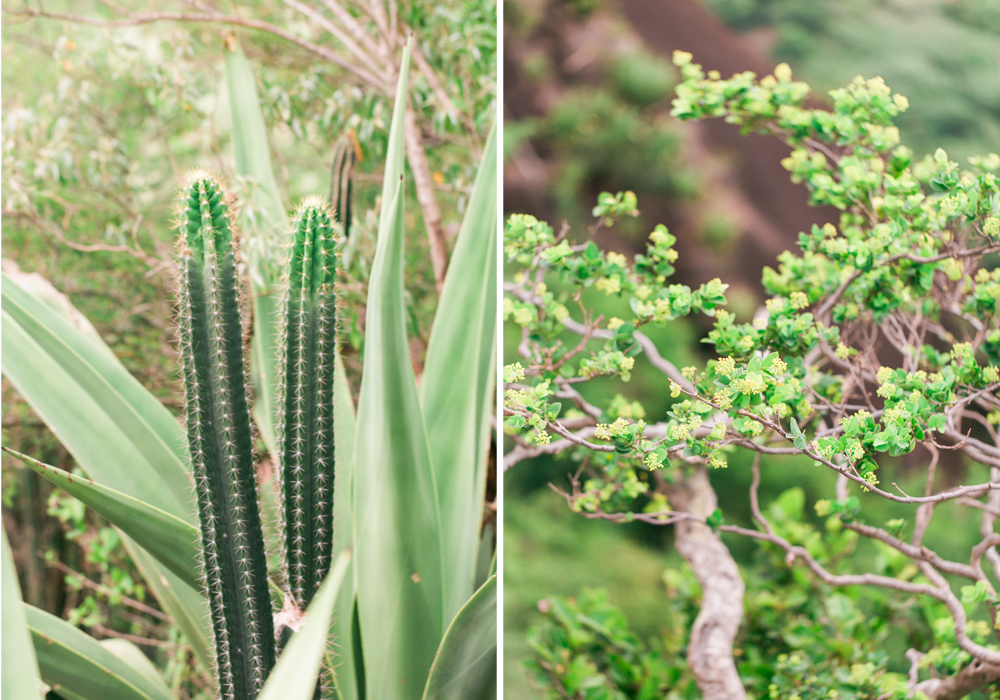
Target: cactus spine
column 306, row 412
column 221, row 442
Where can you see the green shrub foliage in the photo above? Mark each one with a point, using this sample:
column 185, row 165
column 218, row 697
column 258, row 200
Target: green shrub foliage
column 879, row 338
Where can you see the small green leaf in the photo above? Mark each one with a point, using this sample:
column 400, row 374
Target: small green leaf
column 714, row 520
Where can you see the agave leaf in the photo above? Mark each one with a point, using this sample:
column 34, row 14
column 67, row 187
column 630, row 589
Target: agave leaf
column 458, row 382
column 187, row 606
column 104, row 417
column 294, row 676
column 486, row 561
column 394, row 158
column 172, row 541
column 17, row 655
column 115, row 429
column 343, row 535
column 263, row 219
column 397, row 525
column 70, row 659
column 253, row 158
column 133, row 656
column 466, row 663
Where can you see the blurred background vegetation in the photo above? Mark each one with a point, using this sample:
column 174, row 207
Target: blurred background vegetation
column 588, row 86
column 100, row 124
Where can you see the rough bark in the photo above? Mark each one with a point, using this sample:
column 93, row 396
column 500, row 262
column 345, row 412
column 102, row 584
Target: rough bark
column 971, row 678
column 710, row 652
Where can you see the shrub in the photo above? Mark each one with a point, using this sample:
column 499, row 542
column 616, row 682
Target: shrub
column 880, row 339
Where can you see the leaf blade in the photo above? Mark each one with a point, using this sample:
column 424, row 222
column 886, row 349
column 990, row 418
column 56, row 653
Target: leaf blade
column 466, row 663
column 397, row 524
column 106, row 419
column 458, row 381
column 294, row 676
column 69, row 658
column 166, row 537
column 17, row 655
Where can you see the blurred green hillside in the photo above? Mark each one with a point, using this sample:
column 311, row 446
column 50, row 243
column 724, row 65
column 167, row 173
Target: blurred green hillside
column 943, row 55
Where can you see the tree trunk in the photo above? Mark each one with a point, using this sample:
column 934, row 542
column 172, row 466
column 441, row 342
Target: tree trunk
column 710, row 652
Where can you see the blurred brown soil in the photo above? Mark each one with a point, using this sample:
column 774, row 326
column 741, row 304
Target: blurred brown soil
column 741, row 177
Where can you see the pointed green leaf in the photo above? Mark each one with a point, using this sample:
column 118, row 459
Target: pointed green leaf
column 343, row 534
column 253, row 157
column 115, row 429
column 169, row 539
column 187, row 606
column 394, row 158
column 17, row 656
column 397, row 524
column 133, row 656
column 458, row 382
column 263, row 219
column 69, row 658
column 466, row 664
column 397, row 530
column 294, row 676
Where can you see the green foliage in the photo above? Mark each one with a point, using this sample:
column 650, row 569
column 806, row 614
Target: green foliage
column 940, row 54
column 21, row 678
column 804, row 377
column 586, row 650
column 221, row 456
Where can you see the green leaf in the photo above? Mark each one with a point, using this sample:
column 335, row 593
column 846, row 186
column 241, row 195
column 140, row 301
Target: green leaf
column 397, row 523
column 343, row 533
column 169, row 539
column 264, row 363
column 264, row 220
column 134, row 657
column 457, row 385
column 714, row 520
column 115, row 429
column 20, row 667
column 186, row 606
column 294, row 676
column 394, row 158
column 466, row 663
column 71, row 659
column 250, row 144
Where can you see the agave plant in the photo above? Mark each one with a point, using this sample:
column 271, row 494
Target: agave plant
column 401, row 487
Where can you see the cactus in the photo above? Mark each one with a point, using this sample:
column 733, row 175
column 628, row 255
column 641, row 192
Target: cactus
column 345, row 151
column 306, row 430
column 221, row 442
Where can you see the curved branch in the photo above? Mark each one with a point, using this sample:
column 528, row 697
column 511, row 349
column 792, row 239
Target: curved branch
column 139, row 18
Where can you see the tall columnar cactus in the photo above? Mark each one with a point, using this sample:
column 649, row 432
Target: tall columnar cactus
column 306, row 412
column 221, row 442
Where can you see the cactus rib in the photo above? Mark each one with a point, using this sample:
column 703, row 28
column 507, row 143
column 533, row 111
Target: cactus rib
column 306, row 427
column 221, row 442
